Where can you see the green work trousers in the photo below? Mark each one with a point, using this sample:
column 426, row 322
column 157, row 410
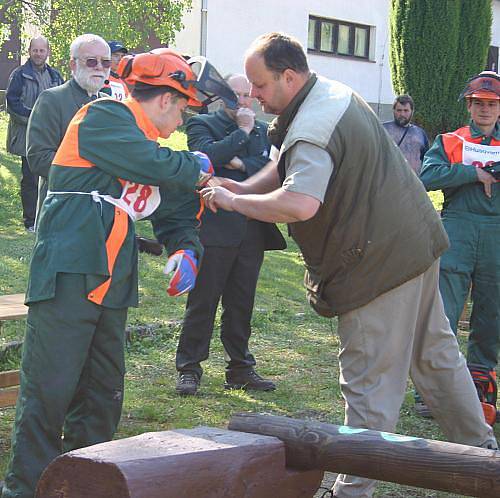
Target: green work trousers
column 71, row 382
column 473, row 258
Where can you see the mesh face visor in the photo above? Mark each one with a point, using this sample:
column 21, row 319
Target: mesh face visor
column 482, row 86
column 210, row 85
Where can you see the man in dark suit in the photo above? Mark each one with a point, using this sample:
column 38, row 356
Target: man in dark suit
column 234, row 249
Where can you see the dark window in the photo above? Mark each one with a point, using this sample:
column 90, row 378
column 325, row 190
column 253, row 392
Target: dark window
column 492, row 63
column 329, row 36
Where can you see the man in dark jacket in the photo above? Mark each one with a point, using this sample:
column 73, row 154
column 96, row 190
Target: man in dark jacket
column 234, row 249
column 55, row 108
column 25, row 85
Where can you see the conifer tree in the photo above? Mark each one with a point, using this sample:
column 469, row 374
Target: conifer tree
column 435, row 47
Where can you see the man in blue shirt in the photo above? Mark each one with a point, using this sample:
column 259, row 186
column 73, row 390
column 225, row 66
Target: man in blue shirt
column 410, row 138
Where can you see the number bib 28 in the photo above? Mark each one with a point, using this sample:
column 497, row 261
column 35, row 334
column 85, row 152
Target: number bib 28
column 139, row 201
column 480, row 155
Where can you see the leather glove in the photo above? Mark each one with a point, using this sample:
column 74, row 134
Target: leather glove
column 184, row 264
column 206, row 168
column 149, row 246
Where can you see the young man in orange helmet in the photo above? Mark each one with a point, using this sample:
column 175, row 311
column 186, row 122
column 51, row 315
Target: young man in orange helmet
column 458, row 163
column 108, row 172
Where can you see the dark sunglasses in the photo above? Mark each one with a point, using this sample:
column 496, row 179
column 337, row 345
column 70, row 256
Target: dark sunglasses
column 94, row 61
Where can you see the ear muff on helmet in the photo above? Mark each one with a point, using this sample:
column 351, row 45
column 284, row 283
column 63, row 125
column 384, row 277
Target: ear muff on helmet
column 125, row 66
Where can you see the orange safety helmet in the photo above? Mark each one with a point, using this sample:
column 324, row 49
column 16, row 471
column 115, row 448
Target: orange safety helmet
column 160, row 67
column 485, row 85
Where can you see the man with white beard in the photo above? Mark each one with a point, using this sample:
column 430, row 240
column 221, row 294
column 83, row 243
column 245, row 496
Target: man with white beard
column 90, row 62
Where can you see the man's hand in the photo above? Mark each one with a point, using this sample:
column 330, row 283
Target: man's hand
column 206, row 168
column 218, row 197
column 227, row 183
column 486, row 179
column 185, row 267
column 245, row 119
column 235, row 163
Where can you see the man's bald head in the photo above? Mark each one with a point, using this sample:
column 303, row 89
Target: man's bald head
column 241, row 87
column 39, row 51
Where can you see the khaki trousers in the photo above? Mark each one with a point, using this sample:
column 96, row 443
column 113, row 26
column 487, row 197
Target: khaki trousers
column 405, row 331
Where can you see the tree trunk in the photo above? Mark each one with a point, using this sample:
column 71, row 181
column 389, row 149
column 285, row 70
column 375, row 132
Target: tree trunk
column 404, row 460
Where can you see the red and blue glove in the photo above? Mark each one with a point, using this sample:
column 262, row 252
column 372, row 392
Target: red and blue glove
column 184, row 264
column 206, row 168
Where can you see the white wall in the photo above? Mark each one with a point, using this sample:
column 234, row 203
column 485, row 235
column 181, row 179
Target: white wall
column 187, row 41
column 495, row 30
column 235, row 24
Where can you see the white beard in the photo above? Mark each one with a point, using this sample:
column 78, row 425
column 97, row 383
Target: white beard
column 82, row 76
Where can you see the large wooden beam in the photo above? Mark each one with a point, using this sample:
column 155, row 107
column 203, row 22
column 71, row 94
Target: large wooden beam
column 405, row 460
column 201, row 462
column 12, row 307
column 8, row 388
column 8, row 397
column 9, row 378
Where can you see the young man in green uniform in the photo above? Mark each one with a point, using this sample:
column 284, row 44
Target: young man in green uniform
column 106, row 174
column 471, row 215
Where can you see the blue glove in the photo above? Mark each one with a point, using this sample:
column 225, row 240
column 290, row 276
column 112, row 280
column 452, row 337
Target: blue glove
column 184, row 264
column 206, row 168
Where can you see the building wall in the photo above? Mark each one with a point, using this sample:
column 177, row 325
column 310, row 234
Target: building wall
column 495, row 29
column 232, row 26
column 188, row 40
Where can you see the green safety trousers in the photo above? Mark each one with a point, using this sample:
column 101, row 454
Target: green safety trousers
column 473, row 258
column 72, row 374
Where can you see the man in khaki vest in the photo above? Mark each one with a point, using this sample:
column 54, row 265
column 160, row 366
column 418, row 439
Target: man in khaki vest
column 371, row 242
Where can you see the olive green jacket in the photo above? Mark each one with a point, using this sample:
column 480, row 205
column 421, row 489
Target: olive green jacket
column 47, row 125
column 376, row 228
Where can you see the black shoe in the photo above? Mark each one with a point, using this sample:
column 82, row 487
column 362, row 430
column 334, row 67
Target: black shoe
column 187, row 383
column 249, row 380
column 422, row 410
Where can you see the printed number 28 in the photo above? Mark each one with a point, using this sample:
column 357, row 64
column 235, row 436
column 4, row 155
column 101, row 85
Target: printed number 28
column 140, row 199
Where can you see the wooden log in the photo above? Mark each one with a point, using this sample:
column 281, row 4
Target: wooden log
column 202, row 462
column 12, row 307
column 9, row 378
column 8, row 397
column 423, row 463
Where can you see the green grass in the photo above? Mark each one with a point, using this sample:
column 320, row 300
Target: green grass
column 292, row 345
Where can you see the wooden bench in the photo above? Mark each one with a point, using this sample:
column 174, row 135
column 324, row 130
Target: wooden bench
column 12, row 307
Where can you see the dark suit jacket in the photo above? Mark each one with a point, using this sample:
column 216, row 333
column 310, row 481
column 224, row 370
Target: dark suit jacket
column 218, row 136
